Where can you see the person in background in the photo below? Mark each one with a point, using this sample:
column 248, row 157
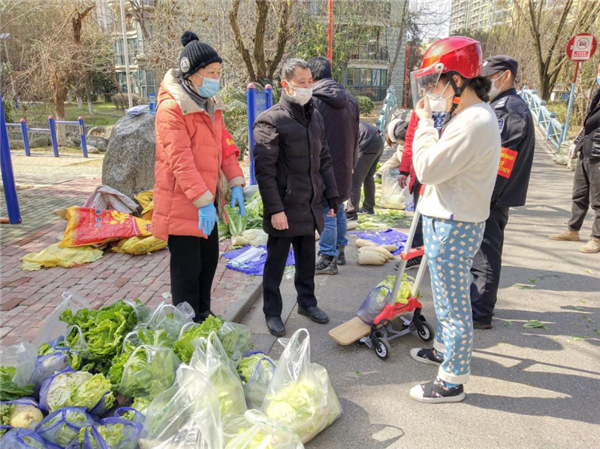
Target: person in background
column 395, row 134
column 517, row 135
column 340, row 113
column 459, row 170
column 370, row 148
column 294, row 172
column 586, row 185
column 195, row 156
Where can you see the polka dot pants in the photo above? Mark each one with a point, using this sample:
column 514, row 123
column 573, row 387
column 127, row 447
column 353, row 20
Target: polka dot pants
column 449, row 247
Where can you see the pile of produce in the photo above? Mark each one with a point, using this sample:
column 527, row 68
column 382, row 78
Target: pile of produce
column 237, row 224
column 127, row 376
column 370, row 253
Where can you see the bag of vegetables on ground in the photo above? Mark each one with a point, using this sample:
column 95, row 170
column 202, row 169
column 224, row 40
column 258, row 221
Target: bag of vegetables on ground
column 62, row 426
column 69, row 388
column 137, row 411
column 19, row 438
column 300, row 395
column 253, row 430
column 375, row 302
column 211, row 360
column 110, row 433
column 186, row 416
column 17, row 364
column 170, row 318
column 256, row 370
column 24, row 413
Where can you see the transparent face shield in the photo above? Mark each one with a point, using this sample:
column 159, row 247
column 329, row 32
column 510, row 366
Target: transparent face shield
column 424, row 81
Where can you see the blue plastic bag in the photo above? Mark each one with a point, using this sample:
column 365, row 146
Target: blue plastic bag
column 138, row 417
column 62, row 426
column 374, row 303
column 112, row 433
column 19, row 438
column 46, row 366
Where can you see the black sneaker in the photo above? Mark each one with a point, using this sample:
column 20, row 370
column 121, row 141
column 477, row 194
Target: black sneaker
column 366, row 211
column 341, row 258
column 425, row 355
column 437, row 391
column 326, row 265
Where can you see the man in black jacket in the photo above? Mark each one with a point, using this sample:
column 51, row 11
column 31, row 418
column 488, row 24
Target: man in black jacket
column 294, row 173
column 518, row 145
column 341, row 115
column 586, row 185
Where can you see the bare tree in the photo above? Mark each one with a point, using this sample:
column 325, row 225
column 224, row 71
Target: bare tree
column 401, row 37
column 549, row 28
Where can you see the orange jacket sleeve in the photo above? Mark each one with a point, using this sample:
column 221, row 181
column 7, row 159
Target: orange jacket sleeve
column 406, row 161
column 229, row 161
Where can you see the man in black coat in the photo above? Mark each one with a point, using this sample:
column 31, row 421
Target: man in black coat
column 294, row 173
column 341, row 116
column 517, row 135
column 586, row 184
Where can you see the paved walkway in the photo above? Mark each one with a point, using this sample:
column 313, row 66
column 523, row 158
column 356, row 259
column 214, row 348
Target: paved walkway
column 26, row 298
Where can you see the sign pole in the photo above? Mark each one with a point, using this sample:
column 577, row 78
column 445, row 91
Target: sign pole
column 330, row 32
column 563, row 136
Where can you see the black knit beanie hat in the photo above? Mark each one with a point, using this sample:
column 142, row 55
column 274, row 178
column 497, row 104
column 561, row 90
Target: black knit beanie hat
column 195, row 54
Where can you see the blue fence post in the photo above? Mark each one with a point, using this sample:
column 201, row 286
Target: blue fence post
column 25, row 137
column 251, row 95
column 82, row 137
column 550, row 127
column 269, row 90
column 52, row 126
column 8, row 177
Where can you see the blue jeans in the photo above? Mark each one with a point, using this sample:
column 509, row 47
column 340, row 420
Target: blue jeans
column 334, row 234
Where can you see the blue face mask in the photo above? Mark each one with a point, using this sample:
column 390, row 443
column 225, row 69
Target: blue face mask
column 209, row 88
column 598, row 79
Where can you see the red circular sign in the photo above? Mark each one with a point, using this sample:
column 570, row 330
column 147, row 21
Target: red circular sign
column 581, row 47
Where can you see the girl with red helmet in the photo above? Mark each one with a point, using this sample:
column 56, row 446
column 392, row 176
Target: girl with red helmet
column 459, row 170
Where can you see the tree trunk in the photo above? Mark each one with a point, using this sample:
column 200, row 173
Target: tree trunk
column 239, row 41
column 79, row 101
column 60, row 96
column 399, row 44
column 88, row 94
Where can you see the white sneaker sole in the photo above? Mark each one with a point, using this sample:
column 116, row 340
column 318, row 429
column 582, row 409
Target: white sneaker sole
column 416, row 393
column 415, row 351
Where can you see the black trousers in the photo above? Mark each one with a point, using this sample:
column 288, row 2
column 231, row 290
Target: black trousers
column 586, row 193
column 487, row 265
column 364, row 174
column 304, row 253
column 194, row 262
column 418, row 238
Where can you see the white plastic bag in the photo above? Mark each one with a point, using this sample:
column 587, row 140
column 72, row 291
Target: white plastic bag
column 170, row 318
column 392, row 195
column 22, row 358
column 186, row 416
column 52, row 327
column 300, row 395
column 252, row 255
column 236, row 340
column 211, row 360
column 254, row 430
column 256, row 370
column 107, row 198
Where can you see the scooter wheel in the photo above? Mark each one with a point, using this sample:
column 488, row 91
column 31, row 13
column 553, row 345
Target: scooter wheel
column 427, row 333
column 359, row 343
column 382, row 348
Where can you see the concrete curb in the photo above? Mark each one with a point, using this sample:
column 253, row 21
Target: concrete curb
column 247, row 299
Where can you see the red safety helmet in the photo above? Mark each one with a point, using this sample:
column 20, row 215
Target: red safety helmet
column 457, row 54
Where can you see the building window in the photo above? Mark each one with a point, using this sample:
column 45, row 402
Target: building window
column 367, row 82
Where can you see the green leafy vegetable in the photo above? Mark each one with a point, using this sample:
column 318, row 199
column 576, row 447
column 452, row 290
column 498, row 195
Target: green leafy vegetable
column 102, row 331
column 112, row 434
column 184, row 347
column 578, row 337
column 9, row 391
column 524, row 286
column 404, row 292
column 580, row 308
column 64, row 427
column 5, row 412
column 535, row 324
column 237, row 223
column 254, row 212
column 75, row 360
column 79, row 389
column 139, row 404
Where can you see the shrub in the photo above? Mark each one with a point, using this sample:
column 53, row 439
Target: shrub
column 365, row 105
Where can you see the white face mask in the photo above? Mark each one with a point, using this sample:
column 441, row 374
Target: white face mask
column 437, row 103
column 302, row 95
column 495, row 90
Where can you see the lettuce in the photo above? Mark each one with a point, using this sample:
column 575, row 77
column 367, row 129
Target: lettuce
column 139, row 404
column 9, row 391
column 79, row 389
column 237, row 223
column 254, row 212
column 75, row 360
column 184, row 347
column 62, row 427
column 102, row 331
column 112, row 434
column 403, row 293
column 248, row 364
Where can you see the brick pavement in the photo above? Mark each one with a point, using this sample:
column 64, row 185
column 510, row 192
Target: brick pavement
column 26, row 298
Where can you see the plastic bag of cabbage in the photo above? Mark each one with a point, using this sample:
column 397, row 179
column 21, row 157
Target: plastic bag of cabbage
column 20, row 438
column 300, row 395
column 62, row 426
column 24, row 412
column 256, row 370
column 186, row 416
column 254, row 430
column 110, row 433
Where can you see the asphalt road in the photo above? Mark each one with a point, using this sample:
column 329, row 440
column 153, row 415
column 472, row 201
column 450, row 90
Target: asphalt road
column 530, row 388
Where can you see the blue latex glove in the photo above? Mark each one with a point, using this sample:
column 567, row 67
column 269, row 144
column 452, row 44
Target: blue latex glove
column 237, row 194
column 207, row 218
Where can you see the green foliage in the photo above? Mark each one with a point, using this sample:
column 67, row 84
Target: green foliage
column 9, row 391
column 185, row 346
column 248, row 364
column 365, row 105
column 236, row 116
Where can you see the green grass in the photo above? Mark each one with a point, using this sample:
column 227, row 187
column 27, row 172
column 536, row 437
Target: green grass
column 560, row 109
column 105, row 114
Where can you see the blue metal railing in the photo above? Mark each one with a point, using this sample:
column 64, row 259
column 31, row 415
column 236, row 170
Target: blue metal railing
column 545, row 119
column 390, row 106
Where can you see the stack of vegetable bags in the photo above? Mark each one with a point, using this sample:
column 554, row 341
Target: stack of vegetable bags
column 126, row 376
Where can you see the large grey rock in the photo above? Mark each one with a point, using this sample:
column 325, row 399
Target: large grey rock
column 15, row 144
column 99, row 142
column 93, row 150
column 100, row 131
column 129, row 161
column 39, row 142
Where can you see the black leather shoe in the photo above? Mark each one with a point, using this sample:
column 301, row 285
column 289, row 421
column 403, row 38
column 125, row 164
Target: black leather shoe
column 203, row 316
column 315, row 314
column 276, row 326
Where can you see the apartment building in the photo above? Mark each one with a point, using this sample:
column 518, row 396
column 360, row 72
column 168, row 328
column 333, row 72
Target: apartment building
column 480, row 15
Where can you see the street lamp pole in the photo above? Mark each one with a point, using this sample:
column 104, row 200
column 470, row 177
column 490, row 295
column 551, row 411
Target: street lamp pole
column 126, row 54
